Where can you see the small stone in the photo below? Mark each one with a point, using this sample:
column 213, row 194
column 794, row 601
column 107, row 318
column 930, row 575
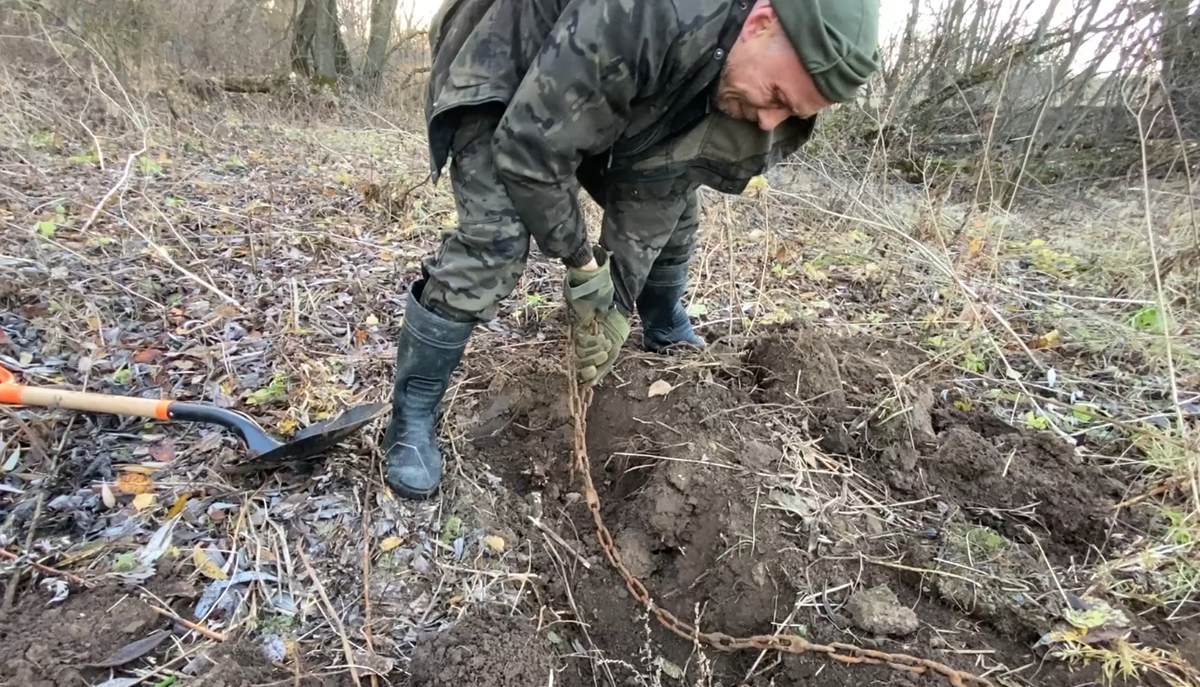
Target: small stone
column 878, row 610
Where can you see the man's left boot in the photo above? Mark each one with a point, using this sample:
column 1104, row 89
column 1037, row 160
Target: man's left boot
column 429, row 350
column 665, row 321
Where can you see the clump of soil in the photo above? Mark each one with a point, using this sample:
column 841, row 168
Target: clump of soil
column 49, row 646
column 877, row 610
column 488, row 650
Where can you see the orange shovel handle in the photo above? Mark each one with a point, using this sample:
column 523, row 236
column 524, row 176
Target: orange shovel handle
column 12, row 393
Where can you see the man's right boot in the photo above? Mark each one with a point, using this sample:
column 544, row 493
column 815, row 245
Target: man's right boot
column 429, row 350
column 665, row 321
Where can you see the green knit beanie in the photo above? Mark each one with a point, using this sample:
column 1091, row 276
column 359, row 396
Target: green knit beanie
column 837, row 41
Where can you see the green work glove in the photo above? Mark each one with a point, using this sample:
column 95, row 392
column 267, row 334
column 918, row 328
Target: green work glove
column 598, row 329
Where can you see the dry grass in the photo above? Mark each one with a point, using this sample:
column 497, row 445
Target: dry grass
column 253, row 256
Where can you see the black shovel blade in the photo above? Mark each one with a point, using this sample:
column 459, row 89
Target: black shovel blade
column 318, row 438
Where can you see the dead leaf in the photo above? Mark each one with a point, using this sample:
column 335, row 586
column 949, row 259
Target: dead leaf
column 1047, row 340
column 177, row 508
column 164, row 451
column 133, row 650
column 390, row 543
column 371, row 320
column 660, row 388
column 141, row 469
column 120, row 682
column 207, row 566
column 107, row 496
column 143, row 501
column 147, row 355
column 494, row 543
column 134, row 483
column 25, row 358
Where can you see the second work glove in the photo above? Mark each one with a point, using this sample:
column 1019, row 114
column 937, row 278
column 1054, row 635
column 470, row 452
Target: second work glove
column 598, row 329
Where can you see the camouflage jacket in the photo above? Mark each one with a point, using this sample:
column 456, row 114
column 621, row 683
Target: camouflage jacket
column 624, row 84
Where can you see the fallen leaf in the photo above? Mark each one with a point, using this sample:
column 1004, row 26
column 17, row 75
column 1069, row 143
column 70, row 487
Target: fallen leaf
column 494, row 543
column 163, row 452
column 120, row 682
column 144, row 470
column 660, row 388
column 134, row 483
column 669, row 668
column 371, row 320
column 1047, row 340
column 390, row 543
column 143, row 501
column 26, row 358
column 107, row 496
column 274, row 649
column 177, row 508
column 13, row 461
column 133, row 650
column 206, row 565
column 147, row 355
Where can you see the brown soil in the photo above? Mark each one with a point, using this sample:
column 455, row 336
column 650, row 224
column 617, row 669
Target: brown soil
column 687, row 490
column 489, row 650
column 50, row 646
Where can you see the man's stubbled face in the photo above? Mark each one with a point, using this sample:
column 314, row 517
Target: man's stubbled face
column 763, row 80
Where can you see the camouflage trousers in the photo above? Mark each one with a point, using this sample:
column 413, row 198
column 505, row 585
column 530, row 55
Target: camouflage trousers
column 480, row 262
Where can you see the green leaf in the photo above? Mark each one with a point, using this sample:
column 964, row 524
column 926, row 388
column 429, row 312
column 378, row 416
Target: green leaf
column 452, row 528
column 553, row 637
column 123, row 376
column 126, row 561
column 697, row 310
column 47, row 228
column 1149, row 319
column 973, row 363
column 275, row 391
column 1035, row 421
column 149, row 166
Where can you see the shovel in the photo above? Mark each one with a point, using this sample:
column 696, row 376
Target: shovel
column 260, row 446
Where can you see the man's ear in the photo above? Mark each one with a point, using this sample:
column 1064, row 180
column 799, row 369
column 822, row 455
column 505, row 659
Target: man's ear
column 762, row 21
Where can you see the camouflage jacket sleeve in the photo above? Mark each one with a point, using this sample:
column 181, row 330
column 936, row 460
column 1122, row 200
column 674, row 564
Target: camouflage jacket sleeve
column 574, row 101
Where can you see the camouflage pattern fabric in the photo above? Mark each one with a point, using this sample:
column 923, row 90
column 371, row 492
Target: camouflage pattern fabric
column 612, row 96
column 480, row 262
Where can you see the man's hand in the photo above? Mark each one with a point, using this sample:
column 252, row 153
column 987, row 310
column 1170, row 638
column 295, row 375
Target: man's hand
column 598, row 329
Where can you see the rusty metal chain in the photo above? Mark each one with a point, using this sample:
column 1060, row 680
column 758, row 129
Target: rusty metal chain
column 850, row 654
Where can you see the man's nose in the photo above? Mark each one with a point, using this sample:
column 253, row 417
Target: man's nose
column 769, row 119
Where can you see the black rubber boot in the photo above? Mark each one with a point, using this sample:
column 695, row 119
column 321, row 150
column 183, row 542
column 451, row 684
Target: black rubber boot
column 429, row 349
column 665, row 321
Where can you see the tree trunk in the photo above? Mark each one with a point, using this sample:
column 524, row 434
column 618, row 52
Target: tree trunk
column 324, row 47
column 318, row 49
column 1180, row 60
column 382, row 13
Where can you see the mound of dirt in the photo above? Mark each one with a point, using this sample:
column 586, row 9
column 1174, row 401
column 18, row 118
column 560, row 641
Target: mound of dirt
column 51, row 645
column 1003, row 476
column 488, row 650
column 749, row 500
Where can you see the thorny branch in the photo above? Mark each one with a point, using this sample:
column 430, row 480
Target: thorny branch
column 580, row 400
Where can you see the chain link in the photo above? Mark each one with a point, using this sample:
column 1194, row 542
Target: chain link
column 849, row 654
